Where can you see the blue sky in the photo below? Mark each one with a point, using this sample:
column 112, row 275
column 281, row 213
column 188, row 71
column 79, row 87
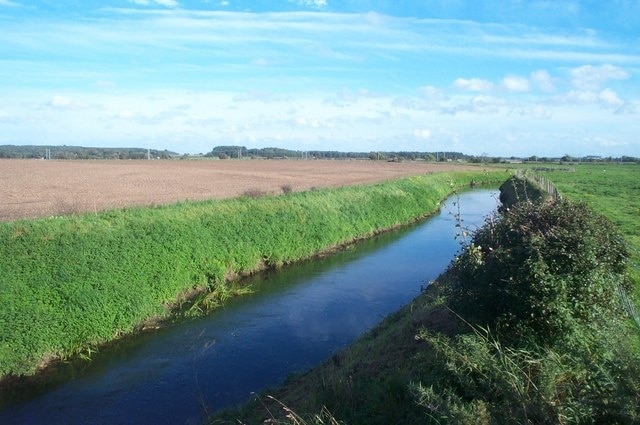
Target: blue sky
column 503, row 78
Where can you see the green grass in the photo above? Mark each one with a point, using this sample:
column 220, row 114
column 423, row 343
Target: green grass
column 70, row 283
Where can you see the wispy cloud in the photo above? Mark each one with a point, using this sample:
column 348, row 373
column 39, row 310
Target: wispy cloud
column 515, row 83
column 590, row 77
column 65, row 102
column 311, row 3
column 473, row 84
column 165, row 3
column 543, row 80
column 157, row 71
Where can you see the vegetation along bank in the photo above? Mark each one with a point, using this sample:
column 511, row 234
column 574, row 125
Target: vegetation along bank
column 68, row 284
column 530, row 324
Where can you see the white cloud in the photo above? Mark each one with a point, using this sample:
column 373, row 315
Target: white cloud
column 64, row 102
column 473, row 84
column 580, row 96
column 105, row 84
column 542, row 79
column 606, row 98
column 589, row 77
column 628, row 108
column 126, row 114
column 166, row 3
column 303, row 121
column 310, row 3
column 481, row 104
column 432, row 93
column 516, row 84
column 8, row 3
column 610, row 98
column 422, row 134
column 602, row 142
column 534, row 111
column 5, row 117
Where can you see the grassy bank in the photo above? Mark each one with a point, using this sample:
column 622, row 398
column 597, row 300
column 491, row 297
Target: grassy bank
column 70, row 283
column 527, row 326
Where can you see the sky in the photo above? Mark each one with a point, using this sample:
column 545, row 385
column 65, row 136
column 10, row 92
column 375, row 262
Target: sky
column 482, row 77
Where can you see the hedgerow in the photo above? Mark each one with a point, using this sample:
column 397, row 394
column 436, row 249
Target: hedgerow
column 539, row 288
column 542, row 269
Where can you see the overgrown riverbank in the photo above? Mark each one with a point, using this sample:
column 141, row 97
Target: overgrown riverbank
column 71, row 283
column 528, row 325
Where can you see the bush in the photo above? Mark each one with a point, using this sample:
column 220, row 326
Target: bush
column 540, row 287
column 542, row 270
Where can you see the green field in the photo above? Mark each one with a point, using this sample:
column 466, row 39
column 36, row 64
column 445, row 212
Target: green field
column 69, row 284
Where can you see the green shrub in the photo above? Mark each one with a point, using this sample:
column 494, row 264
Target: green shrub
column 542, row 269
column 540, row 286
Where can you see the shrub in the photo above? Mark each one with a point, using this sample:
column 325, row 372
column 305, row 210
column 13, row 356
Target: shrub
column 540, row 287
column 541, row 269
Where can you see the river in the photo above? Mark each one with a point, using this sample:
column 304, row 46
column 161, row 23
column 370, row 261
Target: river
column 296, row 318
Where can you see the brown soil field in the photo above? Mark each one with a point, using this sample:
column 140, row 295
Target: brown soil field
column 37, row 188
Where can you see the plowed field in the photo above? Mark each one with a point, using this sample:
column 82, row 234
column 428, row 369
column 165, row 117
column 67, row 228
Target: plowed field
column 36, row 188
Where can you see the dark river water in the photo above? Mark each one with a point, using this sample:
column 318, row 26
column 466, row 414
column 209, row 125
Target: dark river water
column 297, row 318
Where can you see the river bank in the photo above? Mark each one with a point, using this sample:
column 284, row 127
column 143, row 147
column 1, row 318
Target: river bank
column 529, row 324
column 73, row 283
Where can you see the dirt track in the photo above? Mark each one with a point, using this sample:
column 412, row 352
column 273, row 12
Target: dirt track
column 36, row 188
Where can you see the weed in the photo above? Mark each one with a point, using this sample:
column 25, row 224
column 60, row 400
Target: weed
column 286, row 188
column 254, row 193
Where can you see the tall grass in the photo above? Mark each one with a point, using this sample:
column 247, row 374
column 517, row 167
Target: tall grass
column 68, row 283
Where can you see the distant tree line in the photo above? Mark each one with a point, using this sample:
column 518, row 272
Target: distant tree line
column 224, row 152
column 79, row 152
